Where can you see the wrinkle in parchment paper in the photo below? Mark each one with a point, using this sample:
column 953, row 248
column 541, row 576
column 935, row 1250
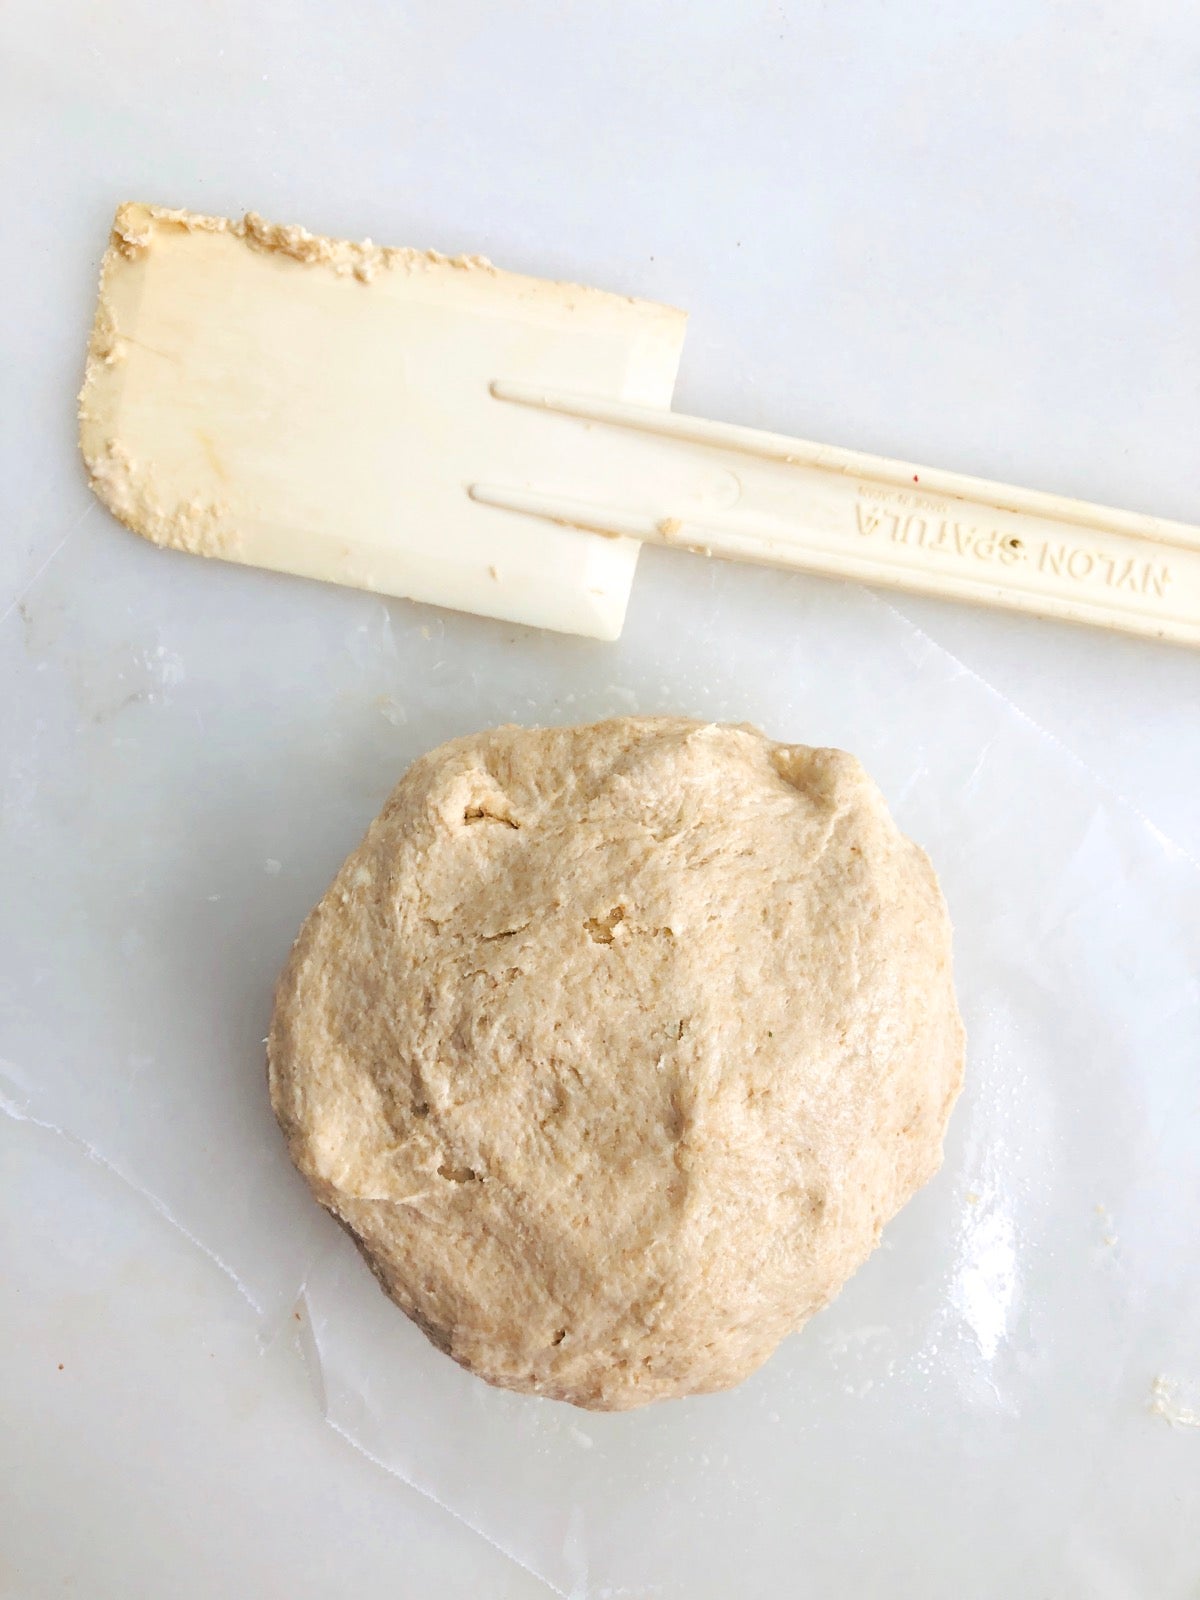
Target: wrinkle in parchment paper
column 192, row 749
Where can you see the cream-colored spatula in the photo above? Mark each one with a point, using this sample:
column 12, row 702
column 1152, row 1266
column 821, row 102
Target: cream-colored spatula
column 434, row 428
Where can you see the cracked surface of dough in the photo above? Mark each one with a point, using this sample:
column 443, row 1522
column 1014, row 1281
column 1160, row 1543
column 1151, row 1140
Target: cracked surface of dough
column 615, row 1047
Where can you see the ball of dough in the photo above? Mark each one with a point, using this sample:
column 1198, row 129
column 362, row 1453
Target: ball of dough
column 616, row 1046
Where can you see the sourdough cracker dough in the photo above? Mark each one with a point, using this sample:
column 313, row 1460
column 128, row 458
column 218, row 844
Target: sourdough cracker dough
column 616, row 1046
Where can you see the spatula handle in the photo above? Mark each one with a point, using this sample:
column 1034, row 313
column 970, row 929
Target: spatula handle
column 787, row 503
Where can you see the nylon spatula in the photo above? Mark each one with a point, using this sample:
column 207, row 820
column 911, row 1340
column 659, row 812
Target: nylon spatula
column 433, row 428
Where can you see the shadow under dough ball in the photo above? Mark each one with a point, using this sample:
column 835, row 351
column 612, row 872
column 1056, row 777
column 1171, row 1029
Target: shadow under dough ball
column 616, row 1046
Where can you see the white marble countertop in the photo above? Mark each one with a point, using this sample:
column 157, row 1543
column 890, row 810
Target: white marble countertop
column 963, row 235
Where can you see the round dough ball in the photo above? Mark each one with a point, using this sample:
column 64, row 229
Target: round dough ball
column 616, row 1046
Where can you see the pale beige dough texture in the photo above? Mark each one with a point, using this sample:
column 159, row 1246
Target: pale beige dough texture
column 616, row 1046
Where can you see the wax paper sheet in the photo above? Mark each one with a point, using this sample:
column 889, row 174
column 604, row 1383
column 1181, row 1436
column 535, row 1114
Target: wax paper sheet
column 1003, row 1401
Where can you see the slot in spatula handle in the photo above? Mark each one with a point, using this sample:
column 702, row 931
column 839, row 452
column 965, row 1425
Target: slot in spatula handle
column 783, row 502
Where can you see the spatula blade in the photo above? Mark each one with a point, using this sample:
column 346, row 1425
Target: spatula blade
column 319, row 407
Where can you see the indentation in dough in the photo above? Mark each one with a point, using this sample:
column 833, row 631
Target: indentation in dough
column 487, row 812
column 456, row 1174
column 603, row 929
